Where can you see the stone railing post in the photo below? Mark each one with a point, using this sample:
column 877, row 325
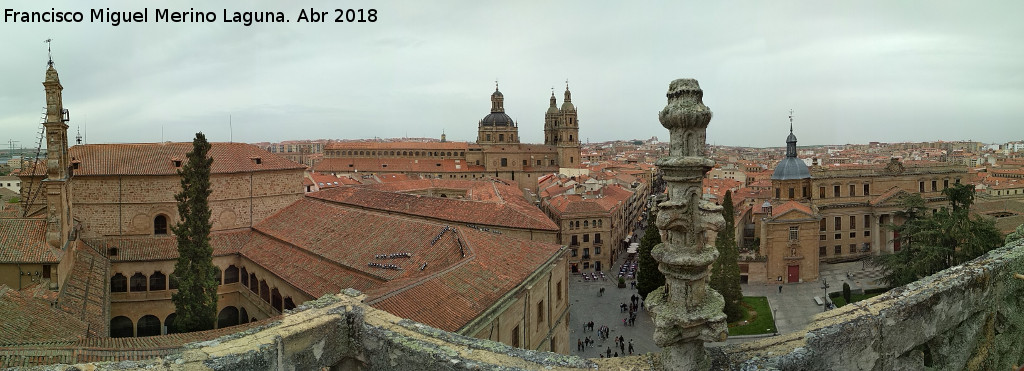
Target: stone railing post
column 686, row 311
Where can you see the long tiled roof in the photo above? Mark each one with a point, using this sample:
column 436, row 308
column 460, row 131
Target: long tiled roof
column 25, row 318
column 351, row 165
column 158, row 159
column 333, row 251
column 489, row 203
column 400, row 145
column 791, row 206
column 147, row 248
column 24, row 241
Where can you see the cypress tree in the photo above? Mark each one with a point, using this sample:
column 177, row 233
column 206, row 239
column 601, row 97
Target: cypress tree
column 725, row 272
column 196, row 300
column 648, row 276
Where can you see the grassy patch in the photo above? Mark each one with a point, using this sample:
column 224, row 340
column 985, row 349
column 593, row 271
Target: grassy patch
column 758, row 319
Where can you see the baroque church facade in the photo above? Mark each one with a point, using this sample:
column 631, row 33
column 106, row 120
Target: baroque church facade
column 497, row 151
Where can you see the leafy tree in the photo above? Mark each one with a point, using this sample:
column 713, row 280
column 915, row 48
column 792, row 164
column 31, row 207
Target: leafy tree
column 725, row 271
column 847, row 295
column 196, row 299
column 936, row 241
column 649, row 277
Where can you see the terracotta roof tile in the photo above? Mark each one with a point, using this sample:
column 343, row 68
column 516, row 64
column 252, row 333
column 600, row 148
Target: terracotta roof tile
column 157, row 159
column 351, row 165
column 146, row 248
column 461, row 146
column 791, row 206
column 27, row 319
column 24, row 241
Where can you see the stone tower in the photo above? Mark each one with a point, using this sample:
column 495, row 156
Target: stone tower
column 686, row 311
column 551, row 119
column 56, row 184
column 497, row 127
column 567, row 130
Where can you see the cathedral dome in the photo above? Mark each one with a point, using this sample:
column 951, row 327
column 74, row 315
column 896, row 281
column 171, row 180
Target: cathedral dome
column 791, row 168
column 497, row 119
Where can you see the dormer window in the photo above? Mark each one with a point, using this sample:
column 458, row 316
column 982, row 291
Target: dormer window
column 177, row 163
column 257, row 160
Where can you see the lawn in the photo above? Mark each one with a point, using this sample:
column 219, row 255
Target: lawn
column 758, row 320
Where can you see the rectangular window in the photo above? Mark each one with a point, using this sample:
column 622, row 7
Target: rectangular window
column 821, row 192
column 822, row 237
column 945, row 183
column 525, row 163
column 573, row 252
column 957, row 181
column 794, row 233
column 853, row 222
column 853, row 190
column 538, row 162
column 867, row 233
column 867, row 221
column 777, row 193
column 804, row 193
column 586, row 238
column 558, row 289
column 597, row 238
column 821, row 250
column 935, row 186
column 597, row 250
column 46, row 271
column 839, row 249
column 835, row 191
column 540, row 311
column 515, row 337
column 574, row 242
column 488, row 137
column 867, row 189
column 838, row 236
column 921, row 186
column 791, row 195
column 822, row 225
column 838, row 223
column 853, row 234
column 501, row 137
column 504, row 161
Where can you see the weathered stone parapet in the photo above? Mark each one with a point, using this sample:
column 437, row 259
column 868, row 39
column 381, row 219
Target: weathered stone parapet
column 686, row 311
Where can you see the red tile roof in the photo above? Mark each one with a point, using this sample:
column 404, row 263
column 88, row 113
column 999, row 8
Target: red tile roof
column 791, row 206
column 28, row 319
column 334, row 250
column 158, row 159
column 148, row 248
column 487, row 203
column 461, row 146
column 24, row 241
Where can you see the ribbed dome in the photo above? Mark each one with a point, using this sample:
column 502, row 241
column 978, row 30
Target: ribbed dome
column 497, row 119
column 567, row 106
column 791, row 168
column 497, row 93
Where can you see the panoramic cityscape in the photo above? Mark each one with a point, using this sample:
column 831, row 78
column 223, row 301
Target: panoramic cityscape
column 274, row 214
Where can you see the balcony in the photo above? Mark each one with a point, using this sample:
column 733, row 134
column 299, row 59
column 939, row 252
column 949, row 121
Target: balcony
column 586, row 257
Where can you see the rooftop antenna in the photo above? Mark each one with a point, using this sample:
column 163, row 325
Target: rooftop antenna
column 49, row 55
column 78, row 138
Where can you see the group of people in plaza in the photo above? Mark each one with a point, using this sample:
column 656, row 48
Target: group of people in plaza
column 635, row 303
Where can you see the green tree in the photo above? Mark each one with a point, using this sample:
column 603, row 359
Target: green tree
column 847, row 295
column 1017, row 234
column 196, row 300
column 725, row 271
column 648, row 276
column 931, row 242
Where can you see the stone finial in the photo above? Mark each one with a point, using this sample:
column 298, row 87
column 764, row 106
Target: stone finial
column 686, row 311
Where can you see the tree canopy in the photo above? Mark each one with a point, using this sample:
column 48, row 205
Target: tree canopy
column 931, row 242
column 648, row 276
column 725, row 272
column 196, row 300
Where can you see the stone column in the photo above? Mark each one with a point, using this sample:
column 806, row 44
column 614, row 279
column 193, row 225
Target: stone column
column 876, row 237
column 686, row 311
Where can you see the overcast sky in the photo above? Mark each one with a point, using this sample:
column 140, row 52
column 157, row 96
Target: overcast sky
column 853, row 73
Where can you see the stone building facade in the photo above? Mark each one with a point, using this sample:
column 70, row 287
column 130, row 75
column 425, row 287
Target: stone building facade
column 497, row 151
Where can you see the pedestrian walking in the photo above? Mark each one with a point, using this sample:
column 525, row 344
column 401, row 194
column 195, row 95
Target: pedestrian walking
column 579, row 345
column 780, row 289
column 622, row 347
column 631, row 346
column 609, row 352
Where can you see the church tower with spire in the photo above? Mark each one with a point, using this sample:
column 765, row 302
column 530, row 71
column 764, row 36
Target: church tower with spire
column 56, row 185
column 566, row 132
column 497, row 127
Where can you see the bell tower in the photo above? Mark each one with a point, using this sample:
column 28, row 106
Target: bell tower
column 56, row 185
column 567, row 131
column 551, row 118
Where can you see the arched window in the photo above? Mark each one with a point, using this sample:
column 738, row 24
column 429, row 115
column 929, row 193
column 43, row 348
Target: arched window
column 169, row 322
column 245, row 277
column 600, row 223
column 231, row 274
column 148, row 325
column 243, row 316
column 119, row 283
column 172, row 282
column 157, row 282
column 275, row 299
column 219, row 278
column 160, row 225
column 288, row 303
column 253, row 283
column 121, row 327
column 138, row 282
column 227, row 317
column 264, row 291
column 594, row 223
column 586, row 224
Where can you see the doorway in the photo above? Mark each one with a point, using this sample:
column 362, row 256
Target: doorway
column 794, row 274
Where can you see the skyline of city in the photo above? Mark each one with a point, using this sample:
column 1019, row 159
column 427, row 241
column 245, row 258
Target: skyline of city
column 852, row 73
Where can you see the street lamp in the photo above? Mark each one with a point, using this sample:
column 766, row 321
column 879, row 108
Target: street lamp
column 824, row 286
